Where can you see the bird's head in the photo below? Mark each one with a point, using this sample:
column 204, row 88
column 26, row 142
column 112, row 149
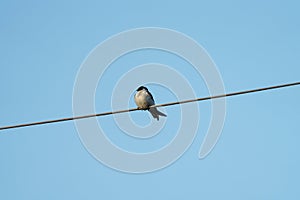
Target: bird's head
column 142, row 88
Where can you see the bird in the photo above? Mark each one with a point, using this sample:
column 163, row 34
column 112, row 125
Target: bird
column 144, row 99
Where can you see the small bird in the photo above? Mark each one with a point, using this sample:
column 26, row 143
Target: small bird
column 144, row 99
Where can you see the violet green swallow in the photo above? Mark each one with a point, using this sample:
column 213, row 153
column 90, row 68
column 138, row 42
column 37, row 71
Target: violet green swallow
column 144, row 99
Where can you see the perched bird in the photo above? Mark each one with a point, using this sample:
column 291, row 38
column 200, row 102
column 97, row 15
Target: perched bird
column 144, row 99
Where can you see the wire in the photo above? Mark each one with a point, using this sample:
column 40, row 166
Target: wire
column 157, row 105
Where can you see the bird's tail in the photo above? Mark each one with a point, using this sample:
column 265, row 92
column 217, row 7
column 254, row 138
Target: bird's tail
column 155, row 113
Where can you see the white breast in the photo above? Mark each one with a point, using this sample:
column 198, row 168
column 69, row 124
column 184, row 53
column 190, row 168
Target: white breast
column 143, row 99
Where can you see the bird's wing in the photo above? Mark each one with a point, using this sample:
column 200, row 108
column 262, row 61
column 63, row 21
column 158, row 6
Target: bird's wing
column 151, row 97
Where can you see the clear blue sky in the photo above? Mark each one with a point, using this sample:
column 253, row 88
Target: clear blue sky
column 253, row 43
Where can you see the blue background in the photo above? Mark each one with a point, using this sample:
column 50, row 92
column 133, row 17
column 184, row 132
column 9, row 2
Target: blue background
column 254, row 44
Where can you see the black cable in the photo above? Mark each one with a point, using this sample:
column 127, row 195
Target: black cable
column 158, row 105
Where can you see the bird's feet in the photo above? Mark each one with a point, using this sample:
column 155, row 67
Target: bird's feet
column 142, row 108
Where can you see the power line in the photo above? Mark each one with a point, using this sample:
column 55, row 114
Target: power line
column 158, row 105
